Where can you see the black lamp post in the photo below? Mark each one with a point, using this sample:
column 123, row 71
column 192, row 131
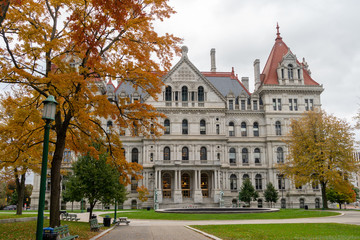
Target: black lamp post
column 49, row 116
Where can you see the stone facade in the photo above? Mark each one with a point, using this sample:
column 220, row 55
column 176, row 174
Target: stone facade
column 217, row 133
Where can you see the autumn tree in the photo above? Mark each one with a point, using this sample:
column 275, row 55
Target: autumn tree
column 68, row 49
column 320, row 149
column 345, row 195
column 20, row 145
column 247, row 192
column 96, row 181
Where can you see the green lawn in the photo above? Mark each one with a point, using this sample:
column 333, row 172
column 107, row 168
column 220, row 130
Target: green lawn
column 282, row 214
column 13, row 215
column 323, row 231
column 27, row 230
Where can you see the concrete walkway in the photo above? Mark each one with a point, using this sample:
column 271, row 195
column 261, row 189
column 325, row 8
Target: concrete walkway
column 177, row 230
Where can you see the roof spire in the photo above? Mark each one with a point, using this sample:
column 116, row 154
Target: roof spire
column 277, row 32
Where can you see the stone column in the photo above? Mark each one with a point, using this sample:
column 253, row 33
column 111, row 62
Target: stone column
column 177, row 192
column 197, row 192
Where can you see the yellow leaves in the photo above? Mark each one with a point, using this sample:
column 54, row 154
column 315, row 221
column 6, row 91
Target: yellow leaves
column 143, row 192
column 319, row 145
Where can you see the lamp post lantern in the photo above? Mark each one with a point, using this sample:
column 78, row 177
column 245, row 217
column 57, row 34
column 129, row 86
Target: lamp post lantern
column 49, row 116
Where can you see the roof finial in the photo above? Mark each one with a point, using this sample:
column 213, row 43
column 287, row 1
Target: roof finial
column 277, row 32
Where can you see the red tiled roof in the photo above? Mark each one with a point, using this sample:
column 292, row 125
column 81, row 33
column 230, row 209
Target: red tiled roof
column 279, row 50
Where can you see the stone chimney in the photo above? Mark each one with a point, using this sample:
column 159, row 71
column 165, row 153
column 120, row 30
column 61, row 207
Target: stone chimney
column 257, row 73
column 212, row 56
column 245, row 82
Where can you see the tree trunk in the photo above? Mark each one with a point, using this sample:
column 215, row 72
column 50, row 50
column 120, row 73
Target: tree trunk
column 323, row 194
column 20, row 188
column 4, row 6
column 56, row 179
column 340, row 205
column 92, row 205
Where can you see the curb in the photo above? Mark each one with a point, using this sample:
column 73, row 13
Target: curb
column 27, row 219
column 103, row 233
column 203, row 233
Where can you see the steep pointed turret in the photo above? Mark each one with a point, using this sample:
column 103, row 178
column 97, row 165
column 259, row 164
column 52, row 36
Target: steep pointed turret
column 283, row 68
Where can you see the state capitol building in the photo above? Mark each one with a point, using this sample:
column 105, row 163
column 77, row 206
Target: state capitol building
column 218, row 133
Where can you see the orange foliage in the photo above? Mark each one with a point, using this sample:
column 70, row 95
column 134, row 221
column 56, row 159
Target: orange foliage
column 105, row 40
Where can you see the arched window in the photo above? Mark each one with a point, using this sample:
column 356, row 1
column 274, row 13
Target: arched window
column 184, row 94
column 231, row 129
column 245, row 156
column 258, row 182
column 166, row 185
column 185, row 127
column 233, row 182
column 290, row 71
column 302, row 203
column 166, row 154
column 203, row 154
column 278, row 128
column 245, row 176
column 256, row 129
column 185, row 185
column 134, row 184
column 168, row 92
column 135, row 155
column 205, row 185
column 279, row 155
column 167, row 126
column 201, row 97
column 202, row 126
column 257, row 158
column 243, row 129
column 232, row 156
column 185, row 154
column 281, row 182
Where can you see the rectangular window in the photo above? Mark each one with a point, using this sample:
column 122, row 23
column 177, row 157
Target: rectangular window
column 176, row 96
column 311, row 104
column 279, row 104
column 243, row 106
column 192, row 96
column 295, row 104
column 217, row 129
column 255, row 105
column 274, row 104
column 290, row 104
column 306, row 105
column 231, row 105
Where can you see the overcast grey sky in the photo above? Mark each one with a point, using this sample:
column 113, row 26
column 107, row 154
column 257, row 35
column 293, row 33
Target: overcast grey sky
column 325, row 32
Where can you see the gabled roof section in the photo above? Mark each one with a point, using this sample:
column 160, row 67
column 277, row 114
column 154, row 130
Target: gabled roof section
column 279, row 50
column 185, row 60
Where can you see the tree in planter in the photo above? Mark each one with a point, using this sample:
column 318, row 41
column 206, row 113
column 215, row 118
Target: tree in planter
column 96, row 181
column 247, row 192
column 271, row 194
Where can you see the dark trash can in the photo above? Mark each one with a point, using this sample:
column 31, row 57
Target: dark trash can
column 93, row 216
column 49, row 234
column 148, row 208
column 88, row 209
column 107, row 221
column 306, row 207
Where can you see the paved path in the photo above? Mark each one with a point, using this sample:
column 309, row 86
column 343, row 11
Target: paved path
column 176, row 230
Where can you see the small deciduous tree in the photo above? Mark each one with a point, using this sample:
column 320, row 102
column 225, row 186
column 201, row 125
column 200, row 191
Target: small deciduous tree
column 96, row 181
column 320, row 148
column 346, row 195
column 247, row 192
column 271, row 194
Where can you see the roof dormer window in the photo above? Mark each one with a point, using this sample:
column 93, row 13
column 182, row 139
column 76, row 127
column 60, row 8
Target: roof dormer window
column 290, row 71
